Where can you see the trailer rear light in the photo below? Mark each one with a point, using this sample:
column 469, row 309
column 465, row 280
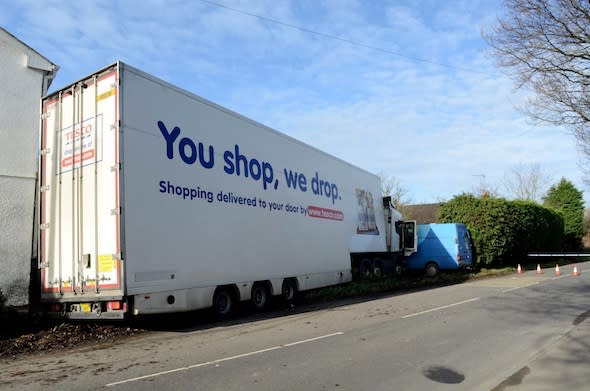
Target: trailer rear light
column 114, row 305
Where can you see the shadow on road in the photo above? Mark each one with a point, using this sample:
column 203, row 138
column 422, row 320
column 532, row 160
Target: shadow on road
column 308, row 302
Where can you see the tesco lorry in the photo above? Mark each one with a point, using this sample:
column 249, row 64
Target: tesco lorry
column 154, row 200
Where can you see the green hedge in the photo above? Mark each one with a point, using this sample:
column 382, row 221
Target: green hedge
column 504, row 231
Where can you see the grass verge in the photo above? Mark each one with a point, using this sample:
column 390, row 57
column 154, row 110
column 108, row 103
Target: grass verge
column 391, row 284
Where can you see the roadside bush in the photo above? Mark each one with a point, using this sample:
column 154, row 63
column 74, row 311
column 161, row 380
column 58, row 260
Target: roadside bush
column 504, row 231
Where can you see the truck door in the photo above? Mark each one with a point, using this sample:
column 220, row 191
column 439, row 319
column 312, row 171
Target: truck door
column 79, row 199
column 409, row 237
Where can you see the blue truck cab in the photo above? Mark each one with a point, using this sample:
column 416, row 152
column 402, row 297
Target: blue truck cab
column 441, row 247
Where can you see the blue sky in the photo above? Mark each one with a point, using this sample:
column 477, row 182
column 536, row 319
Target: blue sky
column 405, row 88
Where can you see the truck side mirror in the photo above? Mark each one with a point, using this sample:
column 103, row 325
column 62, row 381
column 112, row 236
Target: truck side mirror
column 386, row 201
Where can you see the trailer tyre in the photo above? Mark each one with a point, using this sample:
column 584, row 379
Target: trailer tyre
column 431, row 269
column 378, row 269
column 289, row 291
column 260, row 296
column 224, row 301
column 366, row 269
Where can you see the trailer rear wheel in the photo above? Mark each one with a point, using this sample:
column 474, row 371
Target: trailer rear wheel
column 366, row 269
column 260, row 296
column 224, row 301
column 289, row 290
column 378, row 269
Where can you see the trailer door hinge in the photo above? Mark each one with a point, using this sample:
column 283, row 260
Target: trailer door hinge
column 116, row 167
column 116, row 211
column 43, row 189
column 44, row 226
column 46, row 115
column 45, row 151
column 86, row 260
column 44, row 265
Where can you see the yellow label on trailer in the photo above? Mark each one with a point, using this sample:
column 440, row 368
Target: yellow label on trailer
column 106, row 263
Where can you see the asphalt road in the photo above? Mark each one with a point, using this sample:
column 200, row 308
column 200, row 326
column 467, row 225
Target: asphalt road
column 521, row 332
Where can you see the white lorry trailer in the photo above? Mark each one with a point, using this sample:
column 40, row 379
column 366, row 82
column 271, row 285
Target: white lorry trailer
column 154, row 200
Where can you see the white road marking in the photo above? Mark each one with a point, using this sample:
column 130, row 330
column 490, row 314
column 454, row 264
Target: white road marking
column 440, row 308
column 312, row 339
column 224, row 359
column 516, row 288
column 563, row 275
column 520, row 287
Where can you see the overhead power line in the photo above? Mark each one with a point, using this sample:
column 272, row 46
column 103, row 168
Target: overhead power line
column 341, row 39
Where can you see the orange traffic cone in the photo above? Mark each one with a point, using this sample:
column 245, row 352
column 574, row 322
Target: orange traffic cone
column 557, row 272
column 539, row 271
column 518, row 269
column 576, row 272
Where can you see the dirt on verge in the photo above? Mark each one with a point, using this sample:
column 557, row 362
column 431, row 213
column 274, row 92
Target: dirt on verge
column 21, row 334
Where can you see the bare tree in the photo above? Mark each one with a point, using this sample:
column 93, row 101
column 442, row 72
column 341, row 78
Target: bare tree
column 484, row 188
column 527, row 182
column 392, row 186
column 545, row 45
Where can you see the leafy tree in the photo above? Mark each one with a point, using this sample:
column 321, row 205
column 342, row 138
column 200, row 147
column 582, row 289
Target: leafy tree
column 544, row 45
column 568, row 201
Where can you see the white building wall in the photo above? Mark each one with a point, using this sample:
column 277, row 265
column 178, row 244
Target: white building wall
column 24, row 77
